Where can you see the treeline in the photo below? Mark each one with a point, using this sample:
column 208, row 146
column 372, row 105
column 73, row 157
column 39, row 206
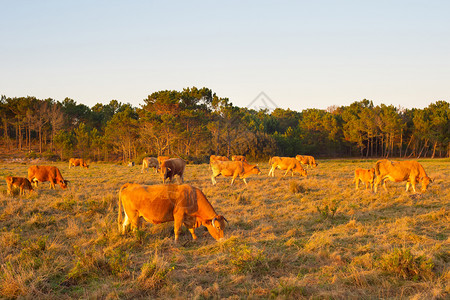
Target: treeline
column 195, row 123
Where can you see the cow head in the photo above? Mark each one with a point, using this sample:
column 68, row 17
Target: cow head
column 371, row 174
column 425, row 182
column 165, row 172
column 254, row 170
column 63, row 183
column 216, row 226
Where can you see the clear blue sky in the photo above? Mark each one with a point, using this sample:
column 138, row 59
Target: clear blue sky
column 301, row 54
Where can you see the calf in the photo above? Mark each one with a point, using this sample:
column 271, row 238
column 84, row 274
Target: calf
column 18, row 182
column 366, row 176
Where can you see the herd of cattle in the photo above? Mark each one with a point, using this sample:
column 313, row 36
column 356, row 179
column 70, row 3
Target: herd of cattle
column 185, row 204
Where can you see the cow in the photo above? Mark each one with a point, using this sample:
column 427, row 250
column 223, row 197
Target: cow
column 410, row 171
column 171, row 167
column 148, row 162
column 18, row 182
column 46, row 173
column 307, row 160
column 288, row 164
column 183, row 204
column 238, row 158
column 366, row 176
column 78, row 162
column 234, row 169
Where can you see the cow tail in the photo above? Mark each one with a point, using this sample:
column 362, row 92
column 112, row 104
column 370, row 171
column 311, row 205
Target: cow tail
column 119, row 215
column 377, row 169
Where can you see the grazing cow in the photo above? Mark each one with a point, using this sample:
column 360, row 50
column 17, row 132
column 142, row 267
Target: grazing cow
column 307, row 160
column 171, row 167
column 410, row 171
column 234, row 169
column 148, row 162
column 288, row 164
column 46, row 173
column 366, row 176
column 183, row 204
column 238, row 158
column 78, row 162
column 18, row 182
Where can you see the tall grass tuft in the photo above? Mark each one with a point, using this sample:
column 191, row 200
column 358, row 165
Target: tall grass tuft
column 402, row 263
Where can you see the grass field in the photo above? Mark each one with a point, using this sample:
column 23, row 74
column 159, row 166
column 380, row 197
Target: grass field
column 287, row 238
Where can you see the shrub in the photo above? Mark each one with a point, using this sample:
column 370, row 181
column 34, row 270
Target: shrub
column 296, row 188
column 247, row 261
column 154, row 274
column 402, row 263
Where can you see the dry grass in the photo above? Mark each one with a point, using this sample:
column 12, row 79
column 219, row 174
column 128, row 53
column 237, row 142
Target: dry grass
column 287, row 238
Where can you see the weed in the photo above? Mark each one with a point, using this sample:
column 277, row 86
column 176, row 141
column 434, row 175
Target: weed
column 247, row 261
column 286, row 290
column 402, row 263
column 328, row 211
column 118, row 262
column 154, row 274
column 240, row 198
column 296, row 188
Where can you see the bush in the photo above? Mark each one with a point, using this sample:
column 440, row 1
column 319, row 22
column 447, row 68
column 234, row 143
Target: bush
column 402, row 263
column 295, row 187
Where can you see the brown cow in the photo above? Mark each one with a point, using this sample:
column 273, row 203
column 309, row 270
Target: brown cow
column 288, row 164
column 171, row 167
column 366, row 176
column 183, row 204
column 78, row 162
column 410, row 171
column 46, row 173
column 18, row 182
column 238, row 158
column 234, row 169
column 307, row 160
column 148, row 162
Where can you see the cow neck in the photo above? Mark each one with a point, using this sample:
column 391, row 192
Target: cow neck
column 206, row 211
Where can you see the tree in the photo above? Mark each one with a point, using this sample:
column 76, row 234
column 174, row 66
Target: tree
column 122, row 133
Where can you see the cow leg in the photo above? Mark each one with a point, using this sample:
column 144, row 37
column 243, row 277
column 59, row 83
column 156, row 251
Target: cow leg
column 377, row 183
column 213, row 179
column 192, row 231
column 126, row 222
column 286, row 172
column 407, row 186
column 413, row 184
column 177, row 228
column 367, row 185
column 356, row 181
column 384, row 185
column 245, row 181
column 52, row 185
column 9, row 188
column 272, row 171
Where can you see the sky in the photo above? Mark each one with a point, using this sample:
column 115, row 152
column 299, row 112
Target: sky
column 287, row 54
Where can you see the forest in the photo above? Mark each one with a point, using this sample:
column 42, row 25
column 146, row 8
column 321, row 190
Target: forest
column 195, row 123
